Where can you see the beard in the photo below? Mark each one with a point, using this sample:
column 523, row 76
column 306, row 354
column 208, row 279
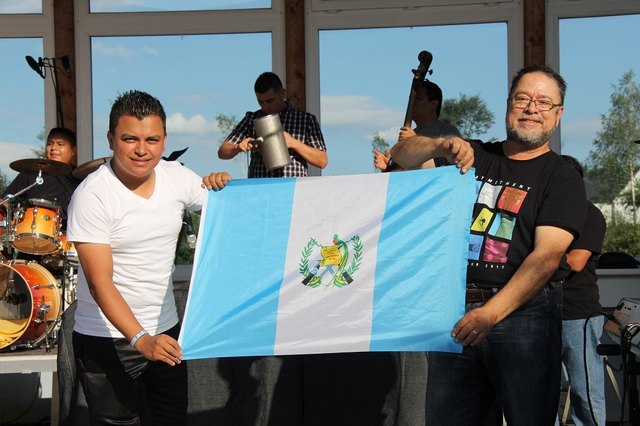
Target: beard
column 531, row 139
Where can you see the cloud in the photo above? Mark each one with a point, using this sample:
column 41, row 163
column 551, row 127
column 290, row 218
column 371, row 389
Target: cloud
column 100, row 49
column 117, row 52
column 13, row 151
column 178, row 123
column 150, row 51
column 357, row 110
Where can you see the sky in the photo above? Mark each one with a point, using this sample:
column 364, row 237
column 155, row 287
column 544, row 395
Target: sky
column 365, row 77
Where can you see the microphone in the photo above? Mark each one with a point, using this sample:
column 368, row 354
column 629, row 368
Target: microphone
column 36, row 66
column 66, row 65
column 191, row 233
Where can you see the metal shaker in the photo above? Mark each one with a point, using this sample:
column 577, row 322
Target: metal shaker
column 270, row 140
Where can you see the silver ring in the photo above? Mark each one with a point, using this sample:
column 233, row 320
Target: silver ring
column 474, row 331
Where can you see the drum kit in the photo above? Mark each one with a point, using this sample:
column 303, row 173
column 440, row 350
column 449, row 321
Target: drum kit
column 34, row 293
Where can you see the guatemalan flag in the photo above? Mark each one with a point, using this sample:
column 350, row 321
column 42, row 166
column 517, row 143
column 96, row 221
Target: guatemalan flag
column 373, row 262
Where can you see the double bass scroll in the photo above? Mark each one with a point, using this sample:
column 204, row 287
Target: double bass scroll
column 419, row 75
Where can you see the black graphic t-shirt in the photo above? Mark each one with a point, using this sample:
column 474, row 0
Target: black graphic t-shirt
column 580, row 295
column 515, row 197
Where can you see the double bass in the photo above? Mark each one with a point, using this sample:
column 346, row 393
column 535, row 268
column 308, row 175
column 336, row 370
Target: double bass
column 419, row 75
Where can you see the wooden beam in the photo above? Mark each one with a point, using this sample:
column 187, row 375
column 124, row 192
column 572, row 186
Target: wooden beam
column 534, row 29
column 295, row 53
column 64, row 28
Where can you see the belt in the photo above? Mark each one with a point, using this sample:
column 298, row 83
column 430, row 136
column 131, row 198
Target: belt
column 475, row 295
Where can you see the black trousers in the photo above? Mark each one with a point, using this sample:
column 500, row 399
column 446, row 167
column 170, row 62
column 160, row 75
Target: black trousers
column 123, row 387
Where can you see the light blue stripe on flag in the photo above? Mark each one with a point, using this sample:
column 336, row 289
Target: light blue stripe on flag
column 383, row 258
column 233, row 295
column 422, row 255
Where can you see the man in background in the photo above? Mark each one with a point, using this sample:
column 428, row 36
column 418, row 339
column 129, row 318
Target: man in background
column 425, row 113
column 301, row 133
column 582, row 322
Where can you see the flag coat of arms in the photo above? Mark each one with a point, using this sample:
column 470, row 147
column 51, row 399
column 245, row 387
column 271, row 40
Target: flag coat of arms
column 373, row 262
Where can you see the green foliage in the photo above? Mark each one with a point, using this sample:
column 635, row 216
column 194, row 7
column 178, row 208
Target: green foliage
column 470, row 114
column 4, row 182
column 40, row 152
column 225, row 123
column 623, row 237
column 615, row 160
column 378, row 143
column 184, row 255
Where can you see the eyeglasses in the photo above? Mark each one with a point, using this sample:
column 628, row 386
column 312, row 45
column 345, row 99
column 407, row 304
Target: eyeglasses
column 541, row 104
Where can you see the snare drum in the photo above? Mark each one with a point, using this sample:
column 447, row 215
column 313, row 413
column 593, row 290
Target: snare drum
column 29, row 304
column 36, row 227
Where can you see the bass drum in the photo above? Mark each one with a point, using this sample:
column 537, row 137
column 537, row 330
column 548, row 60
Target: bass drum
column 30, row 303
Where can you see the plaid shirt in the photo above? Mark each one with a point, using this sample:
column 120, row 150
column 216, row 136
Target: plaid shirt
column 299, row 124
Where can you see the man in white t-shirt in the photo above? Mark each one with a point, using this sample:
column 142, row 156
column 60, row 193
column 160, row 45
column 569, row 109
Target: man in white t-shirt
column 125, row 220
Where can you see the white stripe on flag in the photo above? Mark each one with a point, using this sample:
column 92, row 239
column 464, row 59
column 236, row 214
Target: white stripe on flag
column 331, row 318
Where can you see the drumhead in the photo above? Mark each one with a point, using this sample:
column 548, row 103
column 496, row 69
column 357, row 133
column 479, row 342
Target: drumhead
column 30, row 303
column 42, row 203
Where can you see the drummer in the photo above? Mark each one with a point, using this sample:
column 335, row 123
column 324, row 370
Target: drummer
column 57, row 189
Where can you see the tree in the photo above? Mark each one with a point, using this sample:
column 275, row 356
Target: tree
column 378, row 143
column 622, row 237
column 470, row 114
column 226, row 123
column 40, row 152
column 615, row 159
column 4, row 182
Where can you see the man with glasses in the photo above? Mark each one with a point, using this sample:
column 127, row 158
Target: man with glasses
column 530, row 206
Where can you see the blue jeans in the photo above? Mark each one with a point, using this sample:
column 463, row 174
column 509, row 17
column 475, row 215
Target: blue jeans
column 518, row 363
column 573, row 358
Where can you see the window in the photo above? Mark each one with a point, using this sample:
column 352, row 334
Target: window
column 175, row 5
column 366, row 75
column 196, row 78
column 21, row 103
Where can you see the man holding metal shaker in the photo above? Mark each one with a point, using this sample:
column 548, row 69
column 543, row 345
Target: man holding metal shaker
column 282, row 139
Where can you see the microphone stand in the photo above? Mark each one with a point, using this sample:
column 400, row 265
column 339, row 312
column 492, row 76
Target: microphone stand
column 56, row 88
column 40, row 68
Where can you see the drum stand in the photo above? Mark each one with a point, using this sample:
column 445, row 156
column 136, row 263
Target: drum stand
column 66, row 283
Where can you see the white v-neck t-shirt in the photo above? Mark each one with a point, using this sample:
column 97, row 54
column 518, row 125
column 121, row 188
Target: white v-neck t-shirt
column 142, row 233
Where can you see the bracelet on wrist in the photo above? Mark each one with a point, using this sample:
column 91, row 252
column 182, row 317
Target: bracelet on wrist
column 138, row 336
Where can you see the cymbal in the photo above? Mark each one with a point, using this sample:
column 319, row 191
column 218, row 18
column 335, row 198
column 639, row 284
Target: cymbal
column 50, row 167
column 84, row 169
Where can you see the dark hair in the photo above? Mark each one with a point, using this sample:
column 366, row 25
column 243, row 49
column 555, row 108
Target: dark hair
column 573, row 162
column 267, row 81
column 137, row 104
column 433, row 92
column 562, row 85
column 64, row 133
